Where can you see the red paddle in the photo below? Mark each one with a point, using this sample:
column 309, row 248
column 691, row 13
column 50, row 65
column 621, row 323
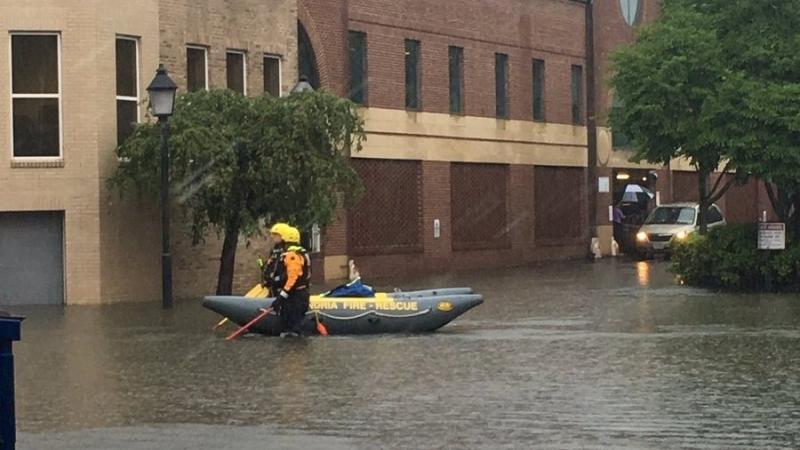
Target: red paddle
column 320, row 327
column 245, row 328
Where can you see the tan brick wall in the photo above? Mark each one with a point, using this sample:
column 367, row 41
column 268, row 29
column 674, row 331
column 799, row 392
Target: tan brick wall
column 87, row 30
column 130, row 226
column 112, row 245
column 257, row 27
column 254, row 26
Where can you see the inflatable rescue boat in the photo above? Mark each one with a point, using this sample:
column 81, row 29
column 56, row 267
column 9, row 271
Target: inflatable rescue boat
column 393, row 312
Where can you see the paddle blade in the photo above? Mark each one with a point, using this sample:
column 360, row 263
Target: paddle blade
column 321, row 329
column 255, row 292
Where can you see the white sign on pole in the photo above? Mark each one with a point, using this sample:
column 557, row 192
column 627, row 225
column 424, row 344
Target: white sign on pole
column 603, row 185
column 771, row 236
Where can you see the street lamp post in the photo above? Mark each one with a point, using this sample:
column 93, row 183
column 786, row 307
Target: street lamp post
column 162, row 101
column 303, row 85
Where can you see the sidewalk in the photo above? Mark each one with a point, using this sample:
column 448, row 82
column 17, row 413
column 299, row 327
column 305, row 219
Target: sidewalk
column 181, row 437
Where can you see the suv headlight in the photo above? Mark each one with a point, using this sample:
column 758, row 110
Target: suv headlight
column 681, row 235
column 641, row 236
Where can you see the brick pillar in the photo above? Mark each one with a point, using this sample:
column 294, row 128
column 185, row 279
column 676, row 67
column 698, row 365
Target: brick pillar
column 605, row 226
column 334, row 248
column 436, row 205
column 326, row 22
column 521, row 209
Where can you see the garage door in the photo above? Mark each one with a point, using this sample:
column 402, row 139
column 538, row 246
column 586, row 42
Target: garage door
column 31, row 258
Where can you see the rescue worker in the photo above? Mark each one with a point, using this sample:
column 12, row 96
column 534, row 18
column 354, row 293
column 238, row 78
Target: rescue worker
column 278, row 232
column 291, row 280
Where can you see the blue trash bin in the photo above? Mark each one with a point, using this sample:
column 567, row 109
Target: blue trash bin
column 9, row 332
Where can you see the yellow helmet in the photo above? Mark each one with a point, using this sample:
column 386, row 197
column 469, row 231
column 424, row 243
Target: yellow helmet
column 283, row 230
column 292, row 235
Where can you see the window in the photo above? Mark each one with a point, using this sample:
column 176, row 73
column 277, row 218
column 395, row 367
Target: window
column 412, row 74
column 456, row 62
column 501, row 84
column 127, row 87
column 618, row 138
column 196, row 69
column 577, row 95
column 671, row 215
column 630, row 11
column 358, row 66
column 36, row 95
column 272, row 75
column 538, row 90
column 236, row 71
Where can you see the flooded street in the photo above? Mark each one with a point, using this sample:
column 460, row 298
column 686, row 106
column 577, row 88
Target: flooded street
column 611, row 355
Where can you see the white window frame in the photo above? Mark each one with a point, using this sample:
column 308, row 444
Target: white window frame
column 136, row 99
column 205, row 61
column 279, row 58
column 14, row 96
column 244, row 68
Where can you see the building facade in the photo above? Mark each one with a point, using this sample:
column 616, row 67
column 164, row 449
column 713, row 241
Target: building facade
column 74, row 75
column 475, row 110
column 476, row 120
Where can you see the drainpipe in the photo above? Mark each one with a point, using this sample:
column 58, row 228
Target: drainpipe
column 591, row 126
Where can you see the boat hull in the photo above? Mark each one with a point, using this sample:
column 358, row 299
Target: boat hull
column 400, row 312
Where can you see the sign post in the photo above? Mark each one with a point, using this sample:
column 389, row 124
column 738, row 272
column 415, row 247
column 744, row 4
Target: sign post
column 771, row 236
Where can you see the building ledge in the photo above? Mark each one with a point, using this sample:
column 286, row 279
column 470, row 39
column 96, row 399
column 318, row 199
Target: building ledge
column 37, row 164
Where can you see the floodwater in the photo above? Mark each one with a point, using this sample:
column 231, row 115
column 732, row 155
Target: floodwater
column 611, row 355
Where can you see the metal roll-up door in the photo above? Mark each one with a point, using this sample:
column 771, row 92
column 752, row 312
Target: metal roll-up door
column 31, row 258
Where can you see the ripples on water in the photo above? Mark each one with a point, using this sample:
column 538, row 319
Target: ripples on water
column 603, row 356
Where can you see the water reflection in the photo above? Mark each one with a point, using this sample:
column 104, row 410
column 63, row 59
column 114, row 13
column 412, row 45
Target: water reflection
column 610, row 355
column 643, row 273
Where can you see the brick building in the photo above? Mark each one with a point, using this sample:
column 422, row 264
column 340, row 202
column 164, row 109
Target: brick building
column 475, row 111
column 74, row 75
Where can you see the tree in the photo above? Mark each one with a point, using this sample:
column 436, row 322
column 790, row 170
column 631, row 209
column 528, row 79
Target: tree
column 760, row 43
column 677, row 91
column 240, row 162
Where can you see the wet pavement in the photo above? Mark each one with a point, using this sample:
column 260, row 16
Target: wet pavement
column 611, row 355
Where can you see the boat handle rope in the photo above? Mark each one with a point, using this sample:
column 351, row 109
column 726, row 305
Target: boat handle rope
column 374, row 313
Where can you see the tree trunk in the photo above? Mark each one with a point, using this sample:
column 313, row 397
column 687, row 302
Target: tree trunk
column 775, row 200
column 228, row 260
column 703, row 213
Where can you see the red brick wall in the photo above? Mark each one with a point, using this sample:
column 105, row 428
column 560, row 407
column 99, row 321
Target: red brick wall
column 388, row 218
column 521, row 218
column 326, row 24
column 610, row 32
column 479, row 202
column 684, row 187
column 520, row 223
column 543, row 29
column 436, row 206
column 560, row 205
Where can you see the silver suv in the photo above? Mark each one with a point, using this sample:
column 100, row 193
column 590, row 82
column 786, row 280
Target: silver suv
column 675, row 221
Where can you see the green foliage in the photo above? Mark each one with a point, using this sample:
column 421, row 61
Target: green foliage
column 727, row 258
column 716, row 81
column 237, row 161
column 672, row 83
